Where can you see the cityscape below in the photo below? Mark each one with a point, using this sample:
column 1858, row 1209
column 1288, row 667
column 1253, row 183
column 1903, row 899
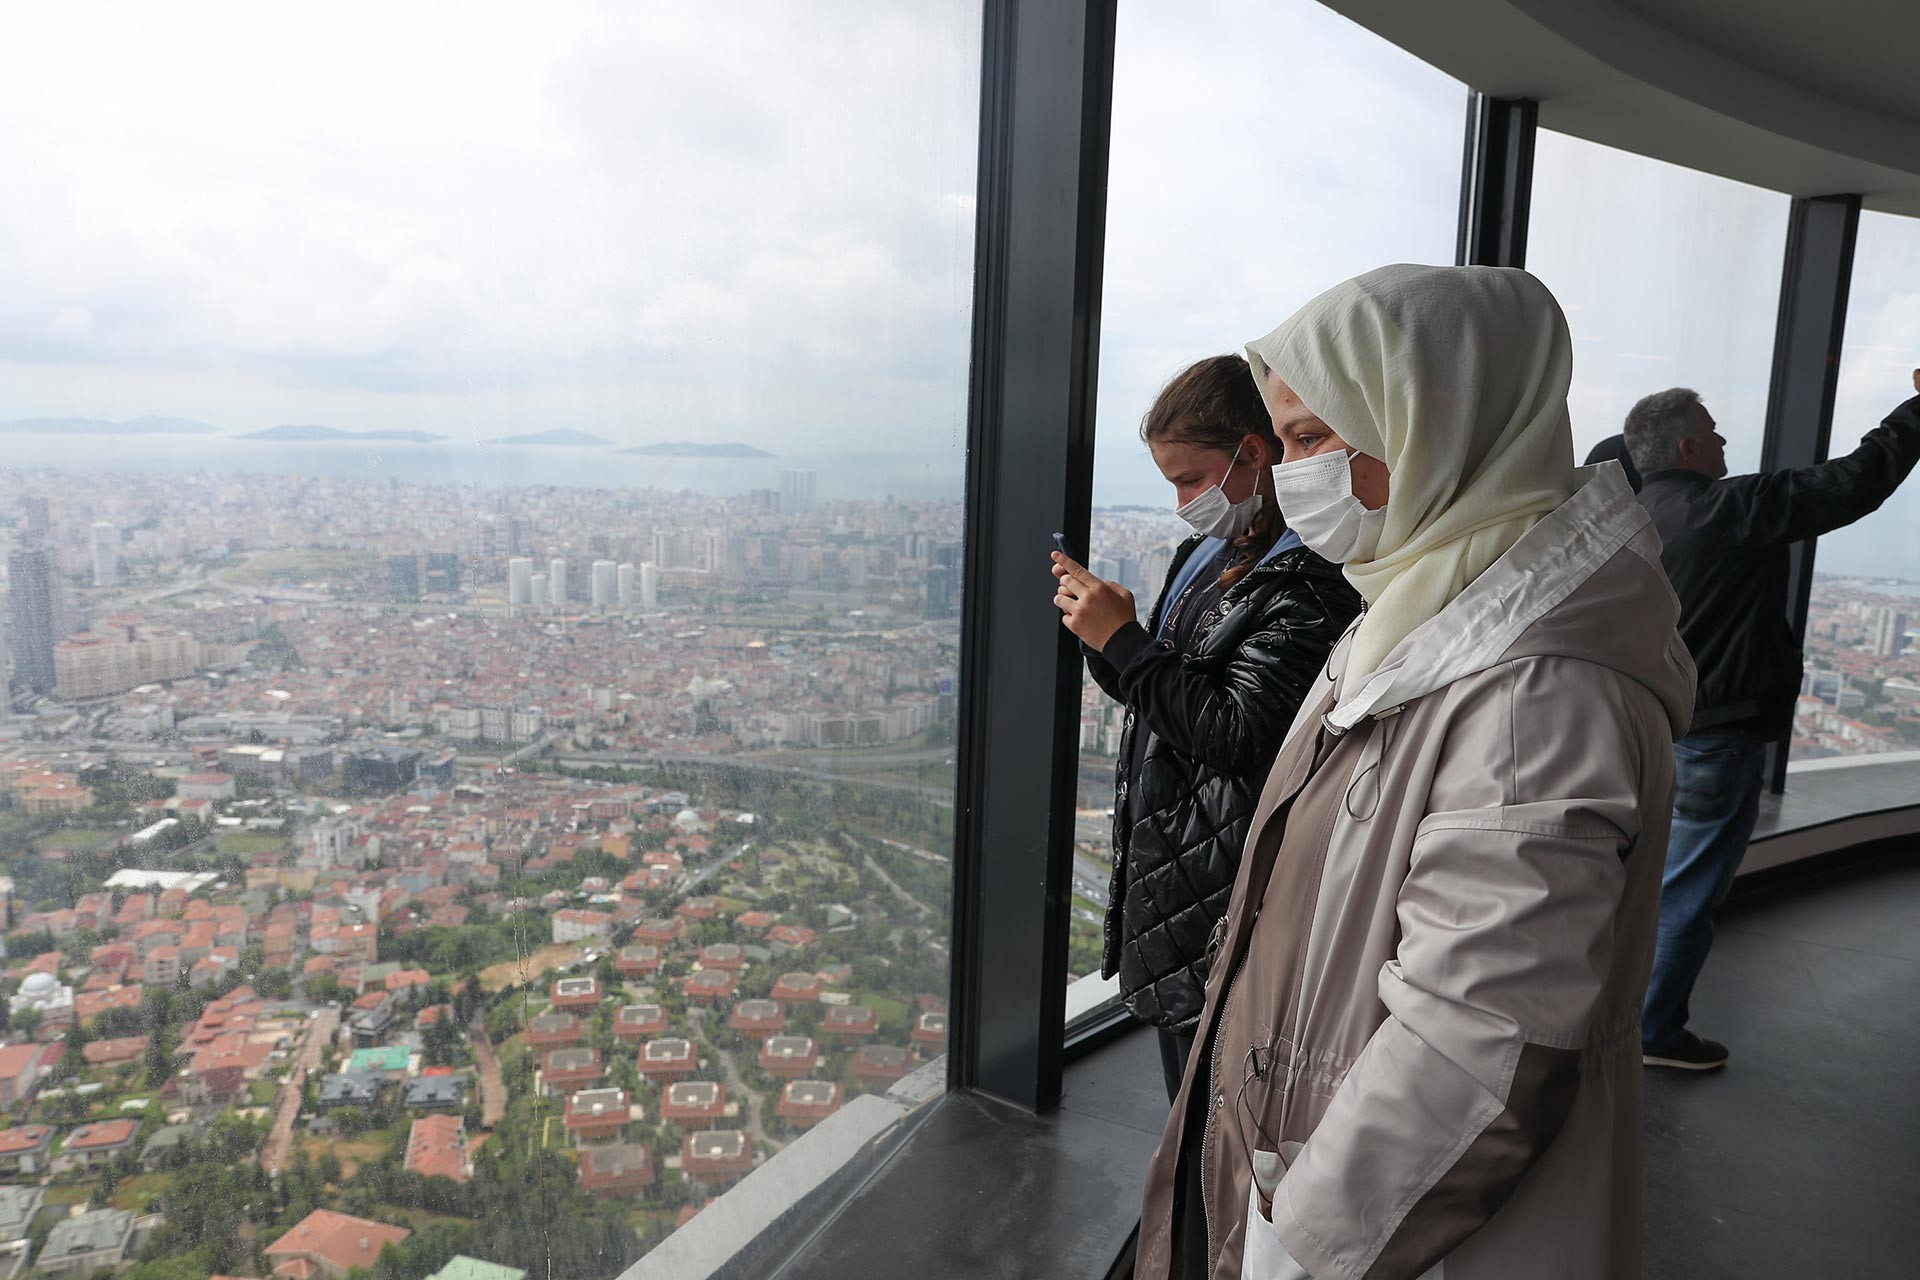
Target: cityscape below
column 385, row 858
column 426, row 878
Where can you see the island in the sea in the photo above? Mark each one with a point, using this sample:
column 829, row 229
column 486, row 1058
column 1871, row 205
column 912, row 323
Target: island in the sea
column 692, row 449
column 311, row 432
column 563, row 435
column 150, row 425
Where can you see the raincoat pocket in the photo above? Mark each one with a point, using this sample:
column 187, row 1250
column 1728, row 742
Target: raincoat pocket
column 1262, row 1256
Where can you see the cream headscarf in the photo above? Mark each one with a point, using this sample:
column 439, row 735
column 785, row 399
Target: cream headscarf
column 1456, row 378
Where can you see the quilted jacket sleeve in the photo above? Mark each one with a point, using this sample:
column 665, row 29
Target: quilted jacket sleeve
column 1230, row 704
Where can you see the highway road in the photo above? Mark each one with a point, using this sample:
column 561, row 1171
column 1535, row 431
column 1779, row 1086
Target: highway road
column 939, row 794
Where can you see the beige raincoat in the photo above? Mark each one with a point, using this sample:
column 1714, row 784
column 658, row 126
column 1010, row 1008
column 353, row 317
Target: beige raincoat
column 1420, row 1052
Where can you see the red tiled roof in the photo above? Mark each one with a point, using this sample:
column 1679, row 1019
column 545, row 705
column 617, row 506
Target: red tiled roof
column 102, row 1134
column 26, row 1137
column 341, row 1239
column 435, row 1147
column 126, row 1049
column 16, row 1059
column 89, row 1005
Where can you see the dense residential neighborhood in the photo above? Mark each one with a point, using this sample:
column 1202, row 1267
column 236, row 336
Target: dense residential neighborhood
column 417, row 926
column 422, row 1073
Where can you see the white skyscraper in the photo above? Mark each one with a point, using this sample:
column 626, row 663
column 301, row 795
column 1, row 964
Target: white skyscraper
column 797, row 491
column 106, row 554
column 623, row 585
column 649, row 586
column 606, row 584
column 537, row 589
column 519, row 581
column 557, row 581
column 661, row 543
column 716, row 554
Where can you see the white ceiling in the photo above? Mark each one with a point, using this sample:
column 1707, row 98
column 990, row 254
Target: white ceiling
column 1809, row 97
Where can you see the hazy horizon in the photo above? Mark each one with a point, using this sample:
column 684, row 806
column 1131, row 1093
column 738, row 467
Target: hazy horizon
column 608, row 220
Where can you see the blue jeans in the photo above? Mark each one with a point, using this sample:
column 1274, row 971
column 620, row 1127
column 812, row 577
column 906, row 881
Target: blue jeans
column 1716, row 800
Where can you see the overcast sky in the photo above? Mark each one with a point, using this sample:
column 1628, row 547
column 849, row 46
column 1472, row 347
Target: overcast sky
column 663, row 221
column 755, row 221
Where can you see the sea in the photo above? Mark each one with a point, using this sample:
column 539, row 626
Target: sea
column 840, row 476
column 935, row 475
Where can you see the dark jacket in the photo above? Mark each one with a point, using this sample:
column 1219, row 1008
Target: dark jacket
column 1614, row 449
column 1217, row 714
column 1724, row 546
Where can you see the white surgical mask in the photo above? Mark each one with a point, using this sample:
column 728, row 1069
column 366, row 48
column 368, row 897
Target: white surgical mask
column 1316, row 497
column 1213, row 516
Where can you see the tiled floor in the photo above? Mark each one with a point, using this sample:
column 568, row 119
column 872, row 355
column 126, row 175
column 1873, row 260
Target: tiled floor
column 1802, row 1157
column 1799, row 1161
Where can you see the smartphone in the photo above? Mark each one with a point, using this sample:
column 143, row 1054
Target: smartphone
column 1060, row 544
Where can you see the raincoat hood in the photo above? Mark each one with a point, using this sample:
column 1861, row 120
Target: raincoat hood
column 1547, row 595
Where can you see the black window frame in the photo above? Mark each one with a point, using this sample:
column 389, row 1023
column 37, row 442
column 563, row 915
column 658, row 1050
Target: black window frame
column 1046, row 94
column 1816, row 279
column 1045, row 128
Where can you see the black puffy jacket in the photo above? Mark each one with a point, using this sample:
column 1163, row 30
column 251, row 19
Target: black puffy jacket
column 1254, row 654
column 1724, row 546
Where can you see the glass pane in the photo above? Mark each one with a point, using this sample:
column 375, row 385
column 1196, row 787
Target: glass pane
column 1230, row 204
column 481, row 503
column 1862, row 689
column 1669, row 277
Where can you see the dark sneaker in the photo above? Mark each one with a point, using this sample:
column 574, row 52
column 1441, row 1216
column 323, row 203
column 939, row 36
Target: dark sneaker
column 1689, row 1053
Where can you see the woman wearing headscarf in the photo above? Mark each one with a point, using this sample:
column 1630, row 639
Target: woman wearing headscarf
column 1421, row 1035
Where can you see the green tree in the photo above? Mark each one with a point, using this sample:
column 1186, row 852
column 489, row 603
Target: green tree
column 103, row 1190
column 156, row 1061
column 442, row 1041
column 467, row 1000
column 329, row 1167
column 73, row 1059
column 203, row 1208
column 180, row 1267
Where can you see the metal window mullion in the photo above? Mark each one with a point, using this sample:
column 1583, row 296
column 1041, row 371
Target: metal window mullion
column 1815, row 278
column 1046, row 91
column 1496, row 181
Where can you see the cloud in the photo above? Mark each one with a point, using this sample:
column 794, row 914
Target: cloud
column 731, row 219
column 71, row 324
column 1261, row 153
column 501, row 207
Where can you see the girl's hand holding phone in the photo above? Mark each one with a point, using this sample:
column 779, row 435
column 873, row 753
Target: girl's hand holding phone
column 1092, row 609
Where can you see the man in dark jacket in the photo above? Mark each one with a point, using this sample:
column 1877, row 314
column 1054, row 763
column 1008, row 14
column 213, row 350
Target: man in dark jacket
column 1725, row 546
